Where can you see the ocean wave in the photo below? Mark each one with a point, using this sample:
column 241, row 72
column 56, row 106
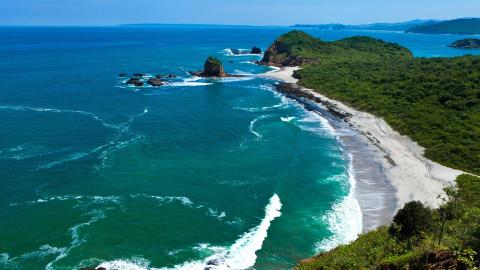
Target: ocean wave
column 345, row 218
column 241, row 255
column 314, row 122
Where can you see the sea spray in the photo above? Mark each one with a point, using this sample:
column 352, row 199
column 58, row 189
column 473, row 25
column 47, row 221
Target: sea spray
column 345, row 219
column 241, row 255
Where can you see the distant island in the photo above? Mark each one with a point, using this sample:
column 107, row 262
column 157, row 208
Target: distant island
column 470, row 26
column 464, row 26
column 401, row 26
column 468, row 43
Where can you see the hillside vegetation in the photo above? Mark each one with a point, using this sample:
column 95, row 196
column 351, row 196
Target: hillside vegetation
column 435, row 101
column 419, row 237
column 458, row 27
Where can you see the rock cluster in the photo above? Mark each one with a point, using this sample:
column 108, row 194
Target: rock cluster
column 254, row 50
column 138, row 79
column 296, row 92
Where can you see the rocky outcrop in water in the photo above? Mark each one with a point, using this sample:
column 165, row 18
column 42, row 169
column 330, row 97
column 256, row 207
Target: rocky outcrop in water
column 256, row 50
column 213, row 67
column 155, row 82
column 135, row 81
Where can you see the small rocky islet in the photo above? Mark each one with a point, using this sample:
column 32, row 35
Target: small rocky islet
column 212, row 68
column 467, row 43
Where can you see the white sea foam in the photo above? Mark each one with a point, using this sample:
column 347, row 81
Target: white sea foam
column 252, row 126
column 132, row 264
column 345, row 219
column 166, row 199
column 241, row 255
column 314, row 122
column 187, row 84
column 287, row 119
column 77, row 240
column 215, row 214
column 243, row 52
column 107, row 148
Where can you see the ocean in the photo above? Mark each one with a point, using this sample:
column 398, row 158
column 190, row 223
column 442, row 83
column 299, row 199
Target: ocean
column 97, row 173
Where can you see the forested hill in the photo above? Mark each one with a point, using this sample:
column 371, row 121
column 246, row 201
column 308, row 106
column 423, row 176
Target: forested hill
column 458, row 27
column 435, row 101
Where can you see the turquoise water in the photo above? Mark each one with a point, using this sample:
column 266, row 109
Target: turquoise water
column 96, row 173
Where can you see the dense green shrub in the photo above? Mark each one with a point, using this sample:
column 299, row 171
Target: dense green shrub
column 412, row 220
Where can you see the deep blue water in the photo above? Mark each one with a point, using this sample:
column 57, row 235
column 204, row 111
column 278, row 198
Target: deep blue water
column 93, row 172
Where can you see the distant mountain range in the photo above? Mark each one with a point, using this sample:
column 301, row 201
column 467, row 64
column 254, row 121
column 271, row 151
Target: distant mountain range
column 464, row 26
column 401, row 26
column 467, row 26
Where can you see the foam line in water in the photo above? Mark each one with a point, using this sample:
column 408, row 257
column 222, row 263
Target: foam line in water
column 345, row 219
column 241, row 255
column 77, row 240
column 252, row 126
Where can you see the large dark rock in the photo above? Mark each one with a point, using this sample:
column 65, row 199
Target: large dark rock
column 135, row 81
column 256, row 50
column 139, row 74
column 468, row 43
column 155, row 82
column 122, row 75
column 213, row 67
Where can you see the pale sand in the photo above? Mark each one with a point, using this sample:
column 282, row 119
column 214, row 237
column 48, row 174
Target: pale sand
column 412, row 175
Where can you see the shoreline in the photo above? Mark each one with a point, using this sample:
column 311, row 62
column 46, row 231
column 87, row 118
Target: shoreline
column 390, row 168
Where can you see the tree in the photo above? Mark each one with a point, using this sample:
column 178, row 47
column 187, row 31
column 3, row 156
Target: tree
column 413, row 219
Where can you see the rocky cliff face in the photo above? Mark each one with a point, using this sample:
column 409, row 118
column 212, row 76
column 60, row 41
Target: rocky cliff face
column 279, row 54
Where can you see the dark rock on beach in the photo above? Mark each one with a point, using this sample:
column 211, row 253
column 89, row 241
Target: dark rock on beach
column 296, row 92
column 155, row 82
column 122, row 75
column 139, row 74
column 135, row 81
column 256, row 50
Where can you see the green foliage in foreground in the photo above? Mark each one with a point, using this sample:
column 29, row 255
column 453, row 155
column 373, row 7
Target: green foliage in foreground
column 453, row 229
column 435, row 101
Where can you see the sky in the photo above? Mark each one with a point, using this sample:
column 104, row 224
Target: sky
column 238, row 12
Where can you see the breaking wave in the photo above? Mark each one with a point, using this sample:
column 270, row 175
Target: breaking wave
column 241, row 255
column 345, row 219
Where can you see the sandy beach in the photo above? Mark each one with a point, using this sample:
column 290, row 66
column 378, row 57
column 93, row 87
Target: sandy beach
column 402, row 160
